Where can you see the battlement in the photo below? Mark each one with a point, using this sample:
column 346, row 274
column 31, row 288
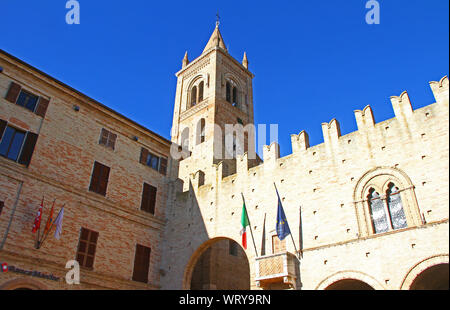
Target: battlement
column 335, row 146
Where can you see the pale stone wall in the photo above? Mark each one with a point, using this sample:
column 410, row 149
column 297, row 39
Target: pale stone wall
column 323, row 180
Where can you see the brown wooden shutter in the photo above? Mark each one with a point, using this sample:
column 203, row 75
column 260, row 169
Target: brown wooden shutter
column 148, row 198
column 95, row 178
column 87, row 246
column 3, row 125
column 152, row 199
column 141, row 264
column 145, row 198
column 28, row 149
column 112, row 140
column 163, row 166
column 104, row 180
column 144, row 156
column 42, row 107
column 13, row 92
column 103, row 136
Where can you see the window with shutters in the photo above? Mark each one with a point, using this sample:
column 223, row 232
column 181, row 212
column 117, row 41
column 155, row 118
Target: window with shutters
column 141, row 263
column 26, row 99
column 86, row 248
column 15, row 144
column 2, row 204
column 99, row 179
column 11, row 143
column 153, row 161
column 148, row 202
column 108, row 139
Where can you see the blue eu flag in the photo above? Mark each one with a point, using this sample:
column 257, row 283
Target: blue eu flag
column 282, row 223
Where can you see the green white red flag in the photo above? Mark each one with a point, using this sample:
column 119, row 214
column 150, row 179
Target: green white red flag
column 244, row 224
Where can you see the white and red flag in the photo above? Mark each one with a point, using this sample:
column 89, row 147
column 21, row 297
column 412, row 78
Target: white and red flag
column 37, row 219
column 4, row 267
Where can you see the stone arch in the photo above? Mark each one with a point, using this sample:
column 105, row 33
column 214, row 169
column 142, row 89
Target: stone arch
column 194, row 82
column 23, row 283
column 350, row 275
column 195, row 257
column 420, row 267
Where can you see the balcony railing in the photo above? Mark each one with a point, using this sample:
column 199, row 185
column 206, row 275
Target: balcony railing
column 276, row 268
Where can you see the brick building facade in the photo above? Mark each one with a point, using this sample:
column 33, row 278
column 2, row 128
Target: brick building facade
column 142, row 212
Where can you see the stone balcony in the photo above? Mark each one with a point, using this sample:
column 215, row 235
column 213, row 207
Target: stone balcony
column 280, row 268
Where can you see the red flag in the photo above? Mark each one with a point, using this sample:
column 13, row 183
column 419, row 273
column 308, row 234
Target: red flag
column 4, row 267
column 49, row 223
column 37, row 220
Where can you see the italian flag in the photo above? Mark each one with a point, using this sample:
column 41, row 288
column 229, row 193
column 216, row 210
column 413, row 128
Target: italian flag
column 244, row 224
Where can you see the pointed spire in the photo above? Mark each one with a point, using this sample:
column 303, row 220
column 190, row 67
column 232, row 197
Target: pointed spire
column 185, row 60
column 245, row 61
column 216, row 40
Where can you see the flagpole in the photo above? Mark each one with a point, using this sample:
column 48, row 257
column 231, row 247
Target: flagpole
column 293, row 242
column 300, row 232
column 249, row 224
column 53, row 223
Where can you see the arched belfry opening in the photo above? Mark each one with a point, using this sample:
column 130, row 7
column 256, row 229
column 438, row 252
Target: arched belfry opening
column 219, row 264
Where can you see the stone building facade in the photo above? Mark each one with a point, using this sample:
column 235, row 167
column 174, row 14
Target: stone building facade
column 366, row 210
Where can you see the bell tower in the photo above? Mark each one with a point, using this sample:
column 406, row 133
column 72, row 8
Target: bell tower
column 214, row 98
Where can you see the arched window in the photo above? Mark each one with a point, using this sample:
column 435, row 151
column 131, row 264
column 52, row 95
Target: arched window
column 235, row 97
column 377, row 212
column 228, row 90
column 200, row 91
column 395, row 207
column 194, row 96
column 385, row 201
column 201, row 131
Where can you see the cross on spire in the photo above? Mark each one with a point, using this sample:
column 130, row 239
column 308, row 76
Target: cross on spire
column 217, row 19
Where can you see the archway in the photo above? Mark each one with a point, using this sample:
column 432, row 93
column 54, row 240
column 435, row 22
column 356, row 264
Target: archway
column 349, row 285
column 218, row 264
column 23, row 284
column 432, row 278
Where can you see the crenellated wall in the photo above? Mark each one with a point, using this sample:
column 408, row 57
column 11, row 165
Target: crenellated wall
column 325, row 181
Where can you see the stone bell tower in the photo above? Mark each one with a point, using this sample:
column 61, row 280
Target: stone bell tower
column 214, row 91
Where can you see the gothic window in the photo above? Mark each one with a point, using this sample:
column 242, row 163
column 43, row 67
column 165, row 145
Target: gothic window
column 395, row 207
column 385, row 201
column 377, row 211
column 200, row 91
column 194, row 96
column 228, row 90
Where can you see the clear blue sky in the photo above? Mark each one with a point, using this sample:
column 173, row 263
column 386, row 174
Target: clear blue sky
column 313, row 60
